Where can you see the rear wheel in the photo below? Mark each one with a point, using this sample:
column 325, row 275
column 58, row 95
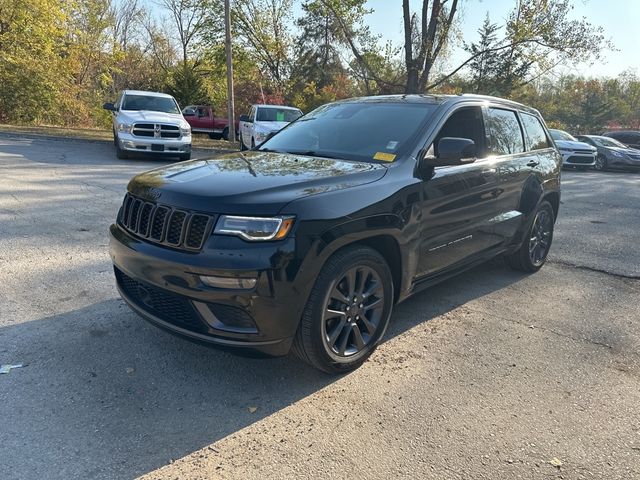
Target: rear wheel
column 348, row 311
column 225, row 134
column 532, row 254
column 601, row 163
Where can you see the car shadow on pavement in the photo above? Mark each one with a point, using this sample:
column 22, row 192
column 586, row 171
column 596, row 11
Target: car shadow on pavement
column 106, row 395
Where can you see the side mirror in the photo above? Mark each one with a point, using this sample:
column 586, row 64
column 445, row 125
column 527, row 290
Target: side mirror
column 452, row 151
column 244, row 118
column 109, row 106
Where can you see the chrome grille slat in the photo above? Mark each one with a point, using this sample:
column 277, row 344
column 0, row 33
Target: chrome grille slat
column 165, row 225
column 149, row 130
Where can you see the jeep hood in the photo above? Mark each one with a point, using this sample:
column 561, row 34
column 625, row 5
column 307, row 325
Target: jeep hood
column 259, row 183
column 152, row 117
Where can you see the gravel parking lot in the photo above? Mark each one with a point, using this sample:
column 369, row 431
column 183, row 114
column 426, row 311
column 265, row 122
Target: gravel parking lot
column 494, row 374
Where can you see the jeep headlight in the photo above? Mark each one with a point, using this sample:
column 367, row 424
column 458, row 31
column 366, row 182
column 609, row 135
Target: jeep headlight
column 185, row 129
column 254, row 228
column 125, row 127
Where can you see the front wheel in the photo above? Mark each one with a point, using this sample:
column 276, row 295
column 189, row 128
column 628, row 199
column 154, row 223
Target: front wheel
column 185, row 156
column 225, row 134
column 533, row 252
column 120, row 153
column 242, row 146
column 601, row 163
column 347, row 312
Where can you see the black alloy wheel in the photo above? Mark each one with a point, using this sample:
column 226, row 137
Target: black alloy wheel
column 533, row 252
column 540, row 241
column 353, row 311
column 601, row 163
column 347, row 312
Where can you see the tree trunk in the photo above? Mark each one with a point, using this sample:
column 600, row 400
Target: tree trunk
column 412, row 81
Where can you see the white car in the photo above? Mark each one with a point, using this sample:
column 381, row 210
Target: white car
column 574, row 152
column 264, row 120
column 149, row 122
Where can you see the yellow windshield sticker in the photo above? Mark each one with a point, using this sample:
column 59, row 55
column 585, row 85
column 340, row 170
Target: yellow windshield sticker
column 385, row 157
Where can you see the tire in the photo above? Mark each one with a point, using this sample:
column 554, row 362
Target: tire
column 225, row 134
column 121, row 154
column 242, row 146
column 601, row 163
column 337, row 334
column 533, row 252
column 253, row 144
column 213, row 136
column 185, row 156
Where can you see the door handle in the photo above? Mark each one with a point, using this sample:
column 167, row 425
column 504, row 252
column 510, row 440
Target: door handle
column 533, row 163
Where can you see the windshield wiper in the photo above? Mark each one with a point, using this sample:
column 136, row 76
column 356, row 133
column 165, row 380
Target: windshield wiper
column 313, row 153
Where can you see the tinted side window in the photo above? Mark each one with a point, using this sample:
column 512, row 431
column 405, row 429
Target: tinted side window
column 533, row 130
column 505, row 133
column 464, row 123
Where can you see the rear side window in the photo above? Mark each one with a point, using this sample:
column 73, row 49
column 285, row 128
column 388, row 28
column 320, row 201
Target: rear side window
column 504, row 132
column 534, row 132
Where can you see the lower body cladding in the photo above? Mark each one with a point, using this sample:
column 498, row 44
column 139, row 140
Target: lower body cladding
column 253, row 309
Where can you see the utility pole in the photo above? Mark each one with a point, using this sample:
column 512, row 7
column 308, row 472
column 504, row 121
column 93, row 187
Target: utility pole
column 227, row 44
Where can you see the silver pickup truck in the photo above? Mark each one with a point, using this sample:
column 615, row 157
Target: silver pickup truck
column 149, row 122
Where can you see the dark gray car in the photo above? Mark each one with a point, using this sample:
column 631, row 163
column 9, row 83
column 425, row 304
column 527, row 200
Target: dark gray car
column 630, row 138
column 612, row 154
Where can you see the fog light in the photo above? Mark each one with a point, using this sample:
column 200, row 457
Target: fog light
column 128, row 144
column 231, row 283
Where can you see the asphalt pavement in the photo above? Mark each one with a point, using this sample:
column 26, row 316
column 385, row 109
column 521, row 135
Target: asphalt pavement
column 490, row 375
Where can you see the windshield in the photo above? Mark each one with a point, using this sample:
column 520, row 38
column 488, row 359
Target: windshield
column 608, row 142
column 363, row 131
column 150, row 103
column 271, row 114
column 560, row 135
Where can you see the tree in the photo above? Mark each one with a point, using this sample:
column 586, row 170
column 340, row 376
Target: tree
column 262, row 25
column 484, row 65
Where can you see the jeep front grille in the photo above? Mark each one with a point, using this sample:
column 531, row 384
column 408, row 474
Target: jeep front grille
column 165, row 225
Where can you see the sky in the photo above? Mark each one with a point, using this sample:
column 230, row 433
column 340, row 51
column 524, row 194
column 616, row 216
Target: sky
column 619, row 18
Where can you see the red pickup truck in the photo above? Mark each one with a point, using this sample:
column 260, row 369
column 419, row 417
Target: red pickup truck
column 202, row 119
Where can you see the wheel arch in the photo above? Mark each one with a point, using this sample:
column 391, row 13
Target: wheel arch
column 554, row 199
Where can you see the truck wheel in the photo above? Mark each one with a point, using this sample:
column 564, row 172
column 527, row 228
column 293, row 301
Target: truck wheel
column 532, row 254
column 347, row 312
column 225, row 134
column 242, row 146
column 213, row 136
column 185, row 156
column 121, row 154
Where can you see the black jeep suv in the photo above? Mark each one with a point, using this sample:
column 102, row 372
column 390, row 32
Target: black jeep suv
column 308, row 241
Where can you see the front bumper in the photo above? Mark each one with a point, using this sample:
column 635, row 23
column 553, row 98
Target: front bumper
column 576, row 159
column 163, row 286
column 625, row 163
column 166, row 146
